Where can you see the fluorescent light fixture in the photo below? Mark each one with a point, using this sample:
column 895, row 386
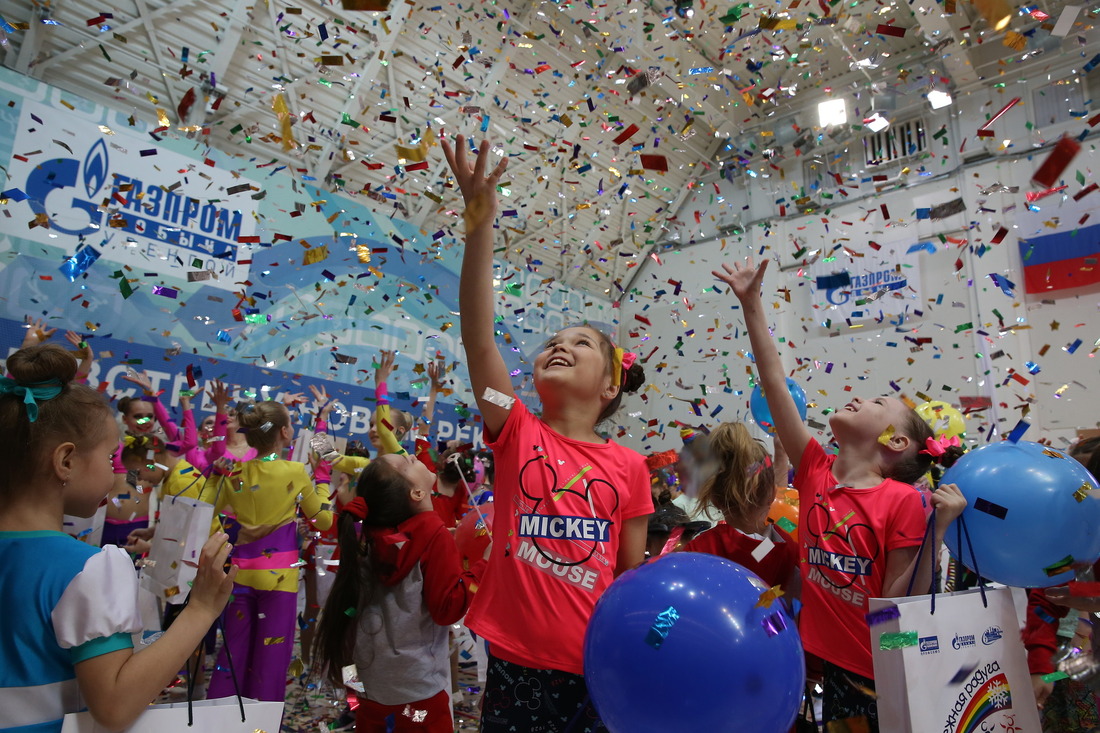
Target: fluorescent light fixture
column 832, row 112
column 939, row 99
column 876, row 122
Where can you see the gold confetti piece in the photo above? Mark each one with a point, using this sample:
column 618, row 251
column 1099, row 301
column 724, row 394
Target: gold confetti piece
column 273, row 640
column 362, row 251
column 1082, row 493
column 768, row 597
column 162, row 118
column 417, row 154
column 282, row 111
column 106, row 130
column 887, row 435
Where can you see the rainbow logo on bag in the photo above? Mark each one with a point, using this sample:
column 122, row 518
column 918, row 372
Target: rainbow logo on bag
column 992, row 697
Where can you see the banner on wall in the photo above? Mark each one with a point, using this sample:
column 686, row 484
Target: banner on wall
column 171, row 372
column 872, row 290
column 97, row 192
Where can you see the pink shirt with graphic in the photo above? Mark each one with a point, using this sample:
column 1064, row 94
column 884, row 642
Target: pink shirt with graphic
column 559, row 508
column 846, row 534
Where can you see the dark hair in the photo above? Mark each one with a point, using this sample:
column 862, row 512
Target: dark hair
column 632, row 378
column 462, row 467
column 386, row 493
column 910, row 468
column 1093, row 466
column 261, row 422
column 75, row 415
column 357, row 448
column 1082, row 450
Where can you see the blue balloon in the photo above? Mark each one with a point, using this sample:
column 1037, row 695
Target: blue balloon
column 762, row 414
column 681, row 644
column 1031, row 511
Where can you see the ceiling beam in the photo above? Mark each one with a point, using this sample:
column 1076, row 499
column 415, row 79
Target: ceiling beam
column 154, row 44
column 31, row 42
column 322, row 166
column 108, row 43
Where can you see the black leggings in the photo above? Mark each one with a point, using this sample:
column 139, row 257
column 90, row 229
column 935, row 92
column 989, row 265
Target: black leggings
column 519, row 698
column 848, row 695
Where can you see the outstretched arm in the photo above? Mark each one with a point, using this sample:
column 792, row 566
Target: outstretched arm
column 745, row 281
column 475, row 292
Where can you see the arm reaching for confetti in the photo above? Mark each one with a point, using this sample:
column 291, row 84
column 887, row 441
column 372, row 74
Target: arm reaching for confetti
column 84, row 351
column 745, row 281
column 476, row 296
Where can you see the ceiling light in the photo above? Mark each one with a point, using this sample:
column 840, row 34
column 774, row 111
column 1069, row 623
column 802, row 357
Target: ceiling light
column 939, row 99
column 832, row 112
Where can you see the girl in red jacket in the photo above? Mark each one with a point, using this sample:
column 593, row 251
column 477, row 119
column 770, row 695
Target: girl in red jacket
column 399, row 585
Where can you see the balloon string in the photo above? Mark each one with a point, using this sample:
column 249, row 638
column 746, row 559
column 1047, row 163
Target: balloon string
column 454, row 458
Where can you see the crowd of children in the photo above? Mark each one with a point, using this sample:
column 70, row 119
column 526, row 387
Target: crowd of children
column 373, row 529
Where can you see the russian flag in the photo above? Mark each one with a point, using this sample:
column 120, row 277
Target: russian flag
column 1060, row 261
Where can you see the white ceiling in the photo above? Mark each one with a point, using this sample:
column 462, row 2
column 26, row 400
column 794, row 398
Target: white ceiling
column 552, row 83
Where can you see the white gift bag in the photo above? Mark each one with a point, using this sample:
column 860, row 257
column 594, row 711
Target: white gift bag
column 962, row 669
column 182, row 530
column 87, row 529
column 208, row 716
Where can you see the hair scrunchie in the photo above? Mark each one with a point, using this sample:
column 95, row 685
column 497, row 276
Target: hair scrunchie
column 31, row 393
column 357, row 508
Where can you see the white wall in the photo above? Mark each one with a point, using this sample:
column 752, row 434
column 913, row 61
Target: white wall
column 868, row 357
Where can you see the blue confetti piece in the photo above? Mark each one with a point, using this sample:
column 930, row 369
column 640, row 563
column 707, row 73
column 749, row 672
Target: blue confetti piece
column 1074, row 346
column 1018, row 431
column 224, row 337
column 1032, row 367
column 830, row 282
column 658, row 632
column 15, row 194
column 921, row 247
column 79, row 263
column 882, row 615
column 165, row 291
column 925, row 213
column 1007, row 286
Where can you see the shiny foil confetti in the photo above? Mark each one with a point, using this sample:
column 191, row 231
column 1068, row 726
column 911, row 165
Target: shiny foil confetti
column 659, row 631
column 899, row 640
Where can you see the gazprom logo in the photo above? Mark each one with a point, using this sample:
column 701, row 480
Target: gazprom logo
column 96, row 168
column 929, row 645
column 962, row 640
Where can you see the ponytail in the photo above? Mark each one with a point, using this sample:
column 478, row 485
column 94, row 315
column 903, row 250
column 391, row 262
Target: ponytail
column 381, row 500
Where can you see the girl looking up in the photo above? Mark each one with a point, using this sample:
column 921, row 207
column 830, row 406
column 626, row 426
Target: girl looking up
column 265, row 494
column 860, row 519
column 572, row 506
column 401, row 573
column 68, row 646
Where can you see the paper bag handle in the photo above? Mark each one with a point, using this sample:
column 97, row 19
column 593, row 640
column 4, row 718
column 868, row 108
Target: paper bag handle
column 961, row 531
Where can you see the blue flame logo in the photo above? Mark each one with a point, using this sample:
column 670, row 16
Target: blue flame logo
column 96, row 166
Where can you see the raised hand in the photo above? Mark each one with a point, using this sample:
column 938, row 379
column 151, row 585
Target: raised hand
column 141, row 379
column 322, row 404
column 186, row 398
column 220, row 395
column 37, row 332
column 744, row 279
column 436, row 371
column 479, row 191
column 384, row 368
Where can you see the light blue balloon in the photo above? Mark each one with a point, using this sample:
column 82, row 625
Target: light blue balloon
column 1029, row 508
column 762, row 414
column 693, row 619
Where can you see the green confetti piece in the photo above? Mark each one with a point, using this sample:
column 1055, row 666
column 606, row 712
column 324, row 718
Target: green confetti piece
column 900, row 640
column 1054, row 677
column 787, row 525
column 964, row 327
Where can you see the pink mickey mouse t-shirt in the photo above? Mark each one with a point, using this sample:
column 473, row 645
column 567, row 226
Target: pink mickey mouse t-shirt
column 559, row 508
column 846, row 534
